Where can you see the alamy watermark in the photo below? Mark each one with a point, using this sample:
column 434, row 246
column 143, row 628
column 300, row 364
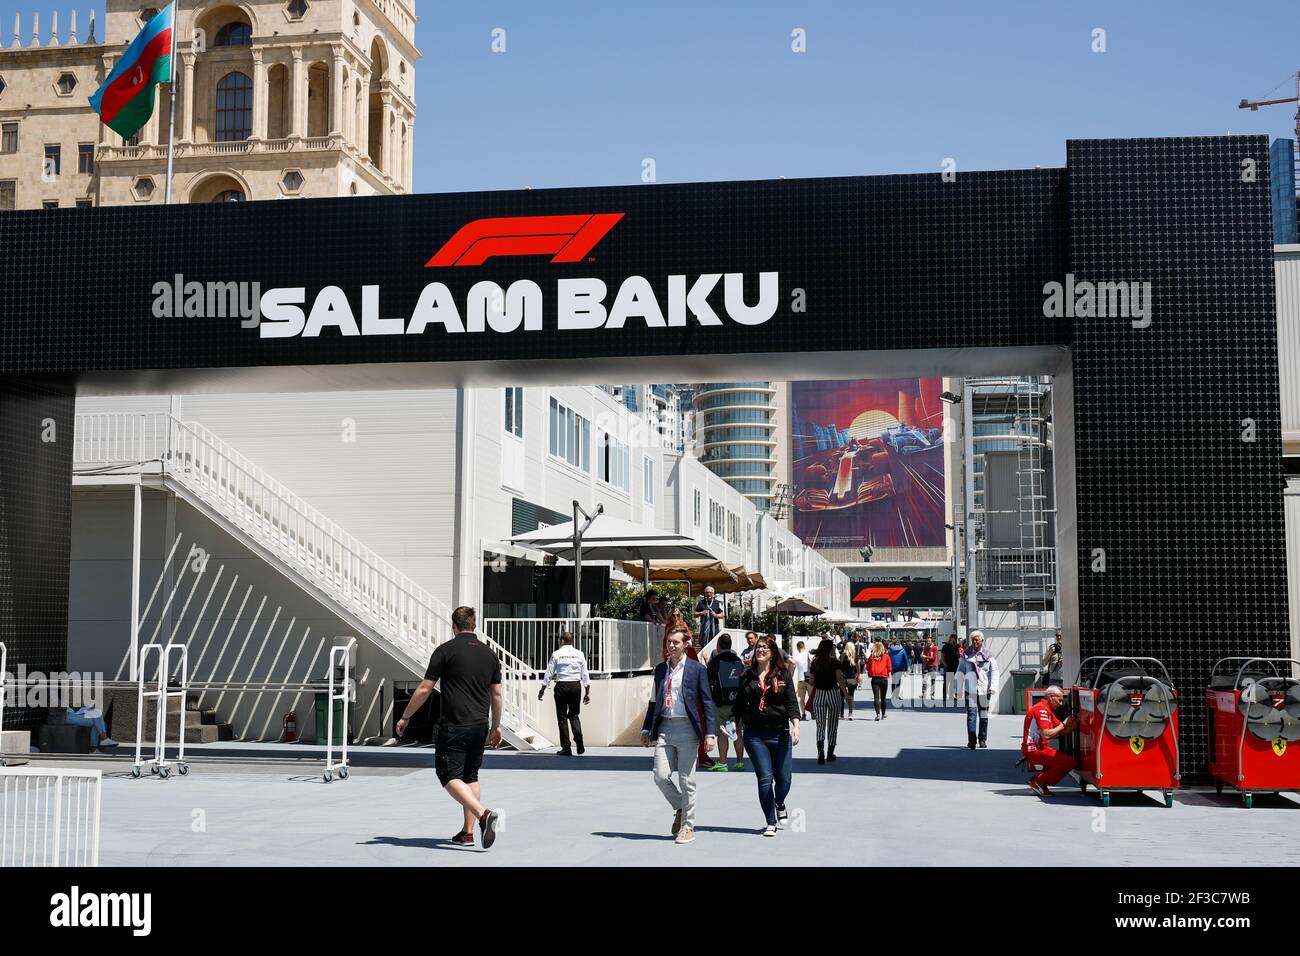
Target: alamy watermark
column 178, row 299
column 37, row 689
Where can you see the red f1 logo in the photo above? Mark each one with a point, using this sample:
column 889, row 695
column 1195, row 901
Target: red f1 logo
column 889, row 595
column 565, row 238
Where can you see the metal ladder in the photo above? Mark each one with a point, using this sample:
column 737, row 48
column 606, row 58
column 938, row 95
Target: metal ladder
column 1037, row 577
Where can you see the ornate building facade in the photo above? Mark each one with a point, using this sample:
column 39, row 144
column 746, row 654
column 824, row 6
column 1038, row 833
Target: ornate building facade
column 276, row 99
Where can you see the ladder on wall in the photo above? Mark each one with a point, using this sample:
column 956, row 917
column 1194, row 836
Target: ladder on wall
column 1037, row 548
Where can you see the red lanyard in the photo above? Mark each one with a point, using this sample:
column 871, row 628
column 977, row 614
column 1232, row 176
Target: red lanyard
column 668, row 696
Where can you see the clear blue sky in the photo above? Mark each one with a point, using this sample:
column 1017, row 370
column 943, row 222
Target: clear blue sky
column 711, row 90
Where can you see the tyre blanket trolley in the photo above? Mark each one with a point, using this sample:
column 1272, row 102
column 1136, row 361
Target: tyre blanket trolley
column 1254, row 725
column 1127, row 735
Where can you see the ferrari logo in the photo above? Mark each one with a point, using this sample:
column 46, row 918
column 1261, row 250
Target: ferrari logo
column 1136, row 744
column 1279, row 746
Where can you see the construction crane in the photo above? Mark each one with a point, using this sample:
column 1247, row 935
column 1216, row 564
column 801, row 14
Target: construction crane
column 1254, row 105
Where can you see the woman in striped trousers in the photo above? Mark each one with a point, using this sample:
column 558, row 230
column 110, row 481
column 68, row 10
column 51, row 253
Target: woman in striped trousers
column 828, row 694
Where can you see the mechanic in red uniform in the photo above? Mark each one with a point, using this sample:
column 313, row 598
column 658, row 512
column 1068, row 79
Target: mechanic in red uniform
column 1041, row 730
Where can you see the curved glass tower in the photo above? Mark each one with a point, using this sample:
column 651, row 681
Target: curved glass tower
column 735, row 435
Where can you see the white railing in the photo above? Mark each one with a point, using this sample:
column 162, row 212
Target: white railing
column 393, row 606
column 611, row 646
column 49, row 817
column 4, row 667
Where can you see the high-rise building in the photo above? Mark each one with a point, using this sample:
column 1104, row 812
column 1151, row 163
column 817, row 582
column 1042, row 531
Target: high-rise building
column 736, row 436
column 277, row 99
column 1284, row 180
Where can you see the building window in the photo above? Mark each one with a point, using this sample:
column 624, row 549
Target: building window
column 86, row 158
column 2, row 86
column 147, row 14
column 234, row 34
column 570, row 436
column 67, row 84
column 297, row 9
column 8, row 192
column 50, row 204
column 514, row 421
column 697, row 507
column 8, row 137
column 143, row 188
column 613, row 462
column 648, row 479
column 292, row 181
column 234, row 108
column 229, row 195
column 85, row 204
column 53, row 159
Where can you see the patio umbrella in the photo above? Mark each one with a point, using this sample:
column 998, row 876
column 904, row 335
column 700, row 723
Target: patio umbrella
column 606, row 538
column 724, row 578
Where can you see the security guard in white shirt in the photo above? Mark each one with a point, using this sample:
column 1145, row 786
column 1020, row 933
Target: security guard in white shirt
column 568, row 671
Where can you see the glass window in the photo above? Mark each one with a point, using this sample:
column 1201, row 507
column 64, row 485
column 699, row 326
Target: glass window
column 697, row 508
column 53, row 159
column 649, row 481
column 234, row 34
column 234, row 108
column 514, row 411
column 8, row 137
column 85, row 204
column 86, row 158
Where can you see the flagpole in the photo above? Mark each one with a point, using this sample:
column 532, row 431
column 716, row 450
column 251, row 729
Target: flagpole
column 171, row 121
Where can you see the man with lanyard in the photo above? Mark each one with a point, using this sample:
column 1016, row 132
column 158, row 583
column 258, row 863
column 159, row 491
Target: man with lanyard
column 1041, row 731
column 679, row 718
column 567, row 669
column 708, row 616
column 978, row 674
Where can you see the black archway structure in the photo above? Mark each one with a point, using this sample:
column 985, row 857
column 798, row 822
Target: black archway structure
column 1171, row 539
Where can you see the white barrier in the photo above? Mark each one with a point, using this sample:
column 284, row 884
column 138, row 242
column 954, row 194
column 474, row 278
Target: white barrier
column 4, row 668
column 159, row 764
column 49, row 817
column 340, row 656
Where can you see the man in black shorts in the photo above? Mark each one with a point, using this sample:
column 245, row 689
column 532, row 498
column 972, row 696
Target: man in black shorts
column 470, row 676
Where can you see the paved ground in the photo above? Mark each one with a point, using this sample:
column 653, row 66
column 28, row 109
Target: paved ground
column 904, row 791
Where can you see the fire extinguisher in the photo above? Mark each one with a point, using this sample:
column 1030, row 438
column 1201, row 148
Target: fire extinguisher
column 290, row 727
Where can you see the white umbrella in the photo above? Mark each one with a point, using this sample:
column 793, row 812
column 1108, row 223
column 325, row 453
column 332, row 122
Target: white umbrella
column 606, row 538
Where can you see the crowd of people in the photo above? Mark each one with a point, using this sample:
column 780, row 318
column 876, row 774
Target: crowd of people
column 751, row 698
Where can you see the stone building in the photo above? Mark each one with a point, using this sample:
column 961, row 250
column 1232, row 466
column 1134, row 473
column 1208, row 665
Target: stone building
column 276, row 99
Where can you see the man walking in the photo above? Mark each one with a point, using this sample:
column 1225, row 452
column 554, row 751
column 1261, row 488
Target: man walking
column 978, row 675
column 725, row 670
column 567, row 669
column 674, row 728
column 802, row 663
column 469, row 677
column 900, row 662
column 929, row 666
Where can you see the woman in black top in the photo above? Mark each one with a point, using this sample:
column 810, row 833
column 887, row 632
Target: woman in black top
column 829, row 691
column 768, row 707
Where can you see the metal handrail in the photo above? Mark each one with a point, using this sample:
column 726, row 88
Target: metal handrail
column 365, row 584
column 4, row 671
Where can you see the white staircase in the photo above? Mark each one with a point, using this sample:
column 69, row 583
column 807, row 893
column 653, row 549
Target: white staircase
column 385, row 605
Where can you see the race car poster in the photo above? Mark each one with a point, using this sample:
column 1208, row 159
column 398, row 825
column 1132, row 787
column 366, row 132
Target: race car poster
column 868, row 463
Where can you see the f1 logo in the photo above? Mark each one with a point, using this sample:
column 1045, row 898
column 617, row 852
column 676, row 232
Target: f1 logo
column 564, row 238
column 889, row 595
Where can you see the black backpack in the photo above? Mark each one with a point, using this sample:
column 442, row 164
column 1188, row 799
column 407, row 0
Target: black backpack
column 726, row 679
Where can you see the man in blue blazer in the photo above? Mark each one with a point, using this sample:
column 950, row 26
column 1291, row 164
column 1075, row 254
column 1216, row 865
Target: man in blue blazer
column 672, row 725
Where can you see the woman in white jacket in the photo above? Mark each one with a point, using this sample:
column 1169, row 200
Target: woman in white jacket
column 977, row 675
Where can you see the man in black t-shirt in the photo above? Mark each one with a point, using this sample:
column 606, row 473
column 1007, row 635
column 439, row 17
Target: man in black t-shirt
column 470, row 676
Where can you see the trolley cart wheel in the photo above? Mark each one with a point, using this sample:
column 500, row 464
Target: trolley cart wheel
column 1218, row 787
column 1105, row 798
column 135, row 772
column 1083, row 785
column 1169, row 801
column 343, row 773
column 183, row 768
column 1248, row 799
column 165, row 772
column 153, row 769
column 327, row 776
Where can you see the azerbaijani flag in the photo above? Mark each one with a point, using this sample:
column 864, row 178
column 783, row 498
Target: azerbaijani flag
column 125, row 101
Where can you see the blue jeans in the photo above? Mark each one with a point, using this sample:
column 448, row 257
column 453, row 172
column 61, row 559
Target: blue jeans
column 96, row 725
column 977, row 705
column 770, row 754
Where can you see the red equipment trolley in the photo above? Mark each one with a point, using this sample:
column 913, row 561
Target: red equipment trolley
column 1254, row 725
column 1127, row 738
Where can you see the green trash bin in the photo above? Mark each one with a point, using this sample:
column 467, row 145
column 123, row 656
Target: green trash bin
column 322, row 720
column 1022, row 678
